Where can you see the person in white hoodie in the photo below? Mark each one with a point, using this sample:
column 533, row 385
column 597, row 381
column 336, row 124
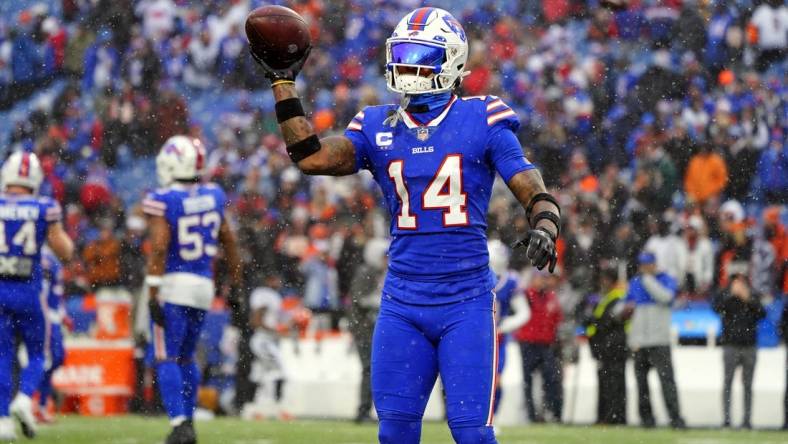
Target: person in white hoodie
column 669, row 250
column 699, row 271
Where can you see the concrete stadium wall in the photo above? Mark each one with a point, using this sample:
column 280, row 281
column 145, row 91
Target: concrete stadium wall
column 324, row 379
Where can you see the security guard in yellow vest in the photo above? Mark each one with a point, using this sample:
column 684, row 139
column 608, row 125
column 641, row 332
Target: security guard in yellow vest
column 606, row 330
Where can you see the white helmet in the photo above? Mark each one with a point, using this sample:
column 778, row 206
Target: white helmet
column 24, row 170
column 180, row 158
column 427, row 38
column 499, row 256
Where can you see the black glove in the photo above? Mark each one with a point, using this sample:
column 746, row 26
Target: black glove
column 540, row 245
column 156, row 312
column 288, row 73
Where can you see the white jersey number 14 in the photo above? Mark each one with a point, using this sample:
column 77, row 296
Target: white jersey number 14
column 444, row 192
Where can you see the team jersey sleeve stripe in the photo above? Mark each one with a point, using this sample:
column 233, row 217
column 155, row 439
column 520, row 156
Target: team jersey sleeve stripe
column 54, row 214
column 152, row 211
column 355, row 126
column 500, row 116
column 495, row 104
column 155, row 204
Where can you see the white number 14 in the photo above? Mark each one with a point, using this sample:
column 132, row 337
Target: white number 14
column 25, row 237
column 444, row 192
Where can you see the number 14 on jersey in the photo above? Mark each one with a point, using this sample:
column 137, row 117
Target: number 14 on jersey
column 444, row 192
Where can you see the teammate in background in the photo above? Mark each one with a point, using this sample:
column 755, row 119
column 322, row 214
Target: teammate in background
column 27, row 222
column 435, row 157
column 187, row 224
column 55, row 312
column 512, row 310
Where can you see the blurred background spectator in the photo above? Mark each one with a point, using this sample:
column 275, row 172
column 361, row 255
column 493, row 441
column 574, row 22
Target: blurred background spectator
column 538, row 341
column 605, row 328
column 650, row 294
column 365, row 293
column 741, row 310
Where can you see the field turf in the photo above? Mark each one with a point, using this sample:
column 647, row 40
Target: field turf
column 140, row 430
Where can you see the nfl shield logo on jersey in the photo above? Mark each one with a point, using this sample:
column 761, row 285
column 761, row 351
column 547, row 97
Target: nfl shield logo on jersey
column 423, row 134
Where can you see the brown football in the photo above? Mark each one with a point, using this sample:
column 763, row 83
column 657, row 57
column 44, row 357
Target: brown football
column 277, row 35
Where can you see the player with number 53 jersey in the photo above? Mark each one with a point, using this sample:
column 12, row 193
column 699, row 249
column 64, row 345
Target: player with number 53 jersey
column 435, row 157
column 187, row 226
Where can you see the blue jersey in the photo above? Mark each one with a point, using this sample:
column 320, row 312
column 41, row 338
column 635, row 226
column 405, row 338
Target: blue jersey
column 24, row 222
column 437, row 179
column 53, row 279
column 194, row 213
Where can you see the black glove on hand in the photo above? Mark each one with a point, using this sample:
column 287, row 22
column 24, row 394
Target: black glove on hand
column 540, row 250
column 156, row 312
column 288, row 73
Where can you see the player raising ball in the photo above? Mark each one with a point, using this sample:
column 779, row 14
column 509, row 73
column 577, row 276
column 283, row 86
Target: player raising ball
column 435, row 156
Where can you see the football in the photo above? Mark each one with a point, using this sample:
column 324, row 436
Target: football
column 277, row 35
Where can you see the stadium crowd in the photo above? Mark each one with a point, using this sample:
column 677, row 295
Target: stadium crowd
column 660, row 124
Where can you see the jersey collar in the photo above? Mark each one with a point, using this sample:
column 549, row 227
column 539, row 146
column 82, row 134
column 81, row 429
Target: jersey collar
column 410, row 122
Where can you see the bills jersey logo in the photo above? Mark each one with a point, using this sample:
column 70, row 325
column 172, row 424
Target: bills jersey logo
column 422, row 149
column 423, row 134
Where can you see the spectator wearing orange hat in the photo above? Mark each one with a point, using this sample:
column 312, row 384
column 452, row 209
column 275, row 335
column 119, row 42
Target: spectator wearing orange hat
column 726, row 77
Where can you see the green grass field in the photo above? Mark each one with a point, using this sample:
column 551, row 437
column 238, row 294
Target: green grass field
column 139, row 430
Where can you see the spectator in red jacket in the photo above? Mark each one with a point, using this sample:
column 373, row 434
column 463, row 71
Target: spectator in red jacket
column 537, row 338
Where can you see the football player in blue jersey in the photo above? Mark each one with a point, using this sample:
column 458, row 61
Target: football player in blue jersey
column 27, row 222
column 435, row 156
column 187, row 225
column 511, row 311
column 53, row 289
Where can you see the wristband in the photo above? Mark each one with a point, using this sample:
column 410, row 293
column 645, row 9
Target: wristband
column 282, row 82
column 537, row 198
column 304, row 148
column 152, row 280
column 552, row 217
column 288, row 108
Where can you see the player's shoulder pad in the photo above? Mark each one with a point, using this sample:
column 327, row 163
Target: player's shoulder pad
column 218, row 192
column 155, row 202
column 499, row 113
column 371, row 116
column 46, row 201
column 214, row 187
column 52, row 211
